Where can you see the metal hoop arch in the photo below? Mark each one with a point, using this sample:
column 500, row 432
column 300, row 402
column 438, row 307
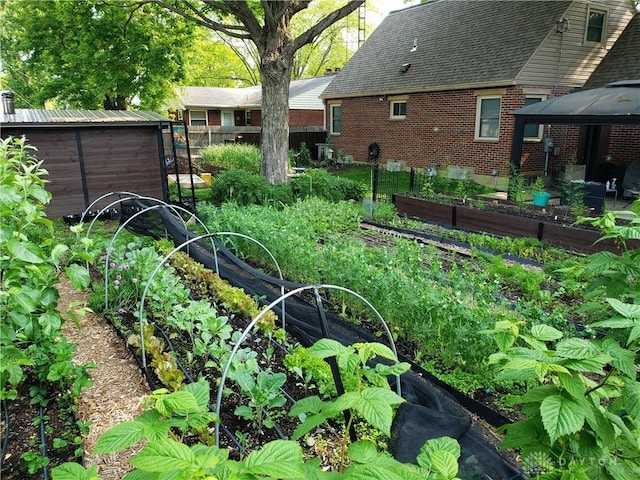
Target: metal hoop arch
column 153, row 274
column 153, row 207
column 249, row 327
column 236, row 234
column 88, row 209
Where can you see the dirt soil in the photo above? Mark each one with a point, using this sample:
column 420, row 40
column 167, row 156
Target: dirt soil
column 118, row 384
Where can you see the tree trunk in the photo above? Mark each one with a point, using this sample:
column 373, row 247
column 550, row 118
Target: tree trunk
column 275, row 121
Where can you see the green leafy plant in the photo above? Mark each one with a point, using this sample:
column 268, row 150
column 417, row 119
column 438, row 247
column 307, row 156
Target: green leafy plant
column 163, row 362
column 31, row 341
column 583, row 400
column 517, row 187
column 265, row 398
column 173, row 416
column 314, row 372
column 370, row 398
column 538, row 185
column 573, row 193
column 319, row 183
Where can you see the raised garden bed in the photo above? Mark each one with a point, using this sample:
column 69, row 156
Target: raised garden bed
column 506, row 220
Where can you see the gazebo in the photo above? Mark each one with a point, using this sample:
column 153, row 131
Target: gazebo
column 617, row 103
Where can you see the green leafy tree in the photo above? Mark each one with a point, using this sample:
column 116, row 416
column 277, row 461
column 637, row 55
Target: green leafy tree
column 268, row 26
column 91, row 54
column 211, row 61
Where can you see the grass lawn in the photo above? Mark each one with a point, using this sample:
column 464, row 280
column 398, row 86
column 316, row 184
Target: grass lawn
column 396, row 182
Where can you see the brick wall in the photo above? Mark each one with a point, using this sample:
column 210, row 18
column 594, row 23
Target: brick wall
column 624, row 144
column 301, row 118
column 439, row 129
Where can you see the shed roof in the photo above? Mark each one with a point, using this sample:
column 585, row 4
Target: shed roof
column 622, row 61
column 304, row 94
column 69, row 118
column 458, row 44
column 617, row 102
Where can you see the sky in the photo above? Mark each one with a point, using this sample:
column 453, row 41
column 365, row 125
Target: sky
column 386, row 6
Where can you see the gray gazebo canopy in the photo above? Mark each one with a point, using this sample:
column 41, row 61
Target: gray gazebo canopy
column 615, row 103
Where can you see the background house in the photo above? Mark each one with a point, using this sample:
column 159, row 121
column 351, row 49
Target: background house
column 434, row 83
column 217, row 115
column 89, row 153
column 615, row 146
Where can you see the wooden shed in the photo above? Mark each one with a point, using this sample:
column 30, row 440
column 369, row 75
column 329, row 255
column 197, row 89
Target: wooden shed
column 89, row 153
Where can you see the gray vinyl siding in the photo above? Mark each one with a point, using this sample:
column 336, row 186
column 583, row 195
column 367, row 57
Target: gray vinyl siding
column 576, row 60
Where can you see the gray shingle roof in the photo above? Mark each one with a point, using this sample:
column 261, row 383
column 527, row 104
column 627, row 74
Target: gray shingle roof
column 623, row 60
column 73, row 117
column 219, row 97
column 460, row 44
column 303, row 94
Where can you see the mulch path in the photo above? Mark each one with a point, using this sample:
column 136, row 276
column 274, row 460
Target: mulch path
column 118, row 384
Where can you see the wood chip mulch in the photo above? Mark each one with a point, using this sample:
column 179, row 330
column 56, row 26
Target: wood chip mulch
column 118, row 384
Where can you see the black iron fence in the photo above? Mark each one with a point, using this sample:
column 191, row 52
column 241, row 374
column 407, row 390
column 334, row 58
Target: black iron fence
column 386, row 182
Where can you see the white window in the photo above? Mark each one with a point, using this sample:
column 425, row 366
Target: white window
column 398, row 109
column 488, row 118
column 198, row 117
column 595, row 31
column 336, row 118
column 533, row 130
column 226, row 118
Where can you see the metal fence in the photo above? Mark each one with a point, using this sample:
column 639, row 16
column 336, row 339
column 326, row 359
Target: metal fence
column 387, row 182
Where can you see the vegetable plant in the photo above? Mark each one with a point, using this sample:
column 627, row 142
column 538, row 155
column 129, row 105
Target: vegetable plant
column 369, row 398
column 265, row 398
column 32, row 347
column 172, row 415
column 583, row 400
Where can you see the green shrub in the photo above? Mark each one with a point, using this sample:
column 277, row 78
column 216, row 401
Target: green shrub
column 279, row 195
column 239, row 186
column 300, row 157
column 319, row 183
column 232, row 157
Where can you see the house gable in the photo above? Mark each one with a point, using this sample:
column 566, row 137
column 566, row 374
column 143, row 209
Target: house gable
column 566, row 57
column 623, row 60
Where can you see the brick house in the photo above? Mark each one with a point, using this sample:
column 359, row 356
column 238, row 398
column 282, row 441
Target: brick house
column 435, row 82
column 216, row 115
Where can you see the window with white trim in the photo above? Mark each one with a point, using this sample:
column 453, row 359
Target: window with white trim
column 488, row 118
column 198, row 117
column 533, row 131
column 398, row 109
column 226, row 118
column 336, row 118
column 596, row 26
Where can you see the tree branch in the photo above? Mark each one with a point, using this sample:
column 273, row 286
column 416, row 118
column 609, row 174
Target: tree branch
column 191, row 13
column 310, row 35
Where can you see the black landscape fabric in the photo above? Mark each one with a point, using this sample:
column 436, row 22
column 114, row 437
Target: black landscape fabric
column 429, row 412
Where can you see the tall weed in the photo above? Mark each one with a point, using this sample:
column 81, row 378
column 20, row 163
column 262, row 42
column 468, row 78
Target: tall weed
column 232, row 156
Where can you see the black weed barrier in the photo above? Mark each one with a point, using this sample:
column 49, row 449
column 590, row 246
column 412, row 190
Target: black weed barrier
column 431, row 409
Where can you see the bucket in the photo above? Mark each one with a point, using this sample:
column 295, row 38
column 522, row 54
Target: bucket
column 206, row 177
column 541, row 199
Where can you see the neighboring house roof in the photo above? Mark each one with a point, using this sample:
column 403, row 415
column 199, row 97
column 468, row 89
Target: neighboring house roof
column 45, row 118
column 303, row 95
column 458, row 44
column 623, row 60
column 219, row 97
